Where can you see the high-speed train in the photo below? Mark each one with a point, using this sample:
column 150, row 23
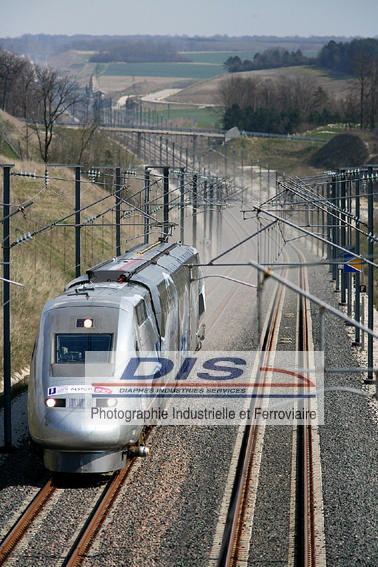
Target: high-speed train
column 150, row 299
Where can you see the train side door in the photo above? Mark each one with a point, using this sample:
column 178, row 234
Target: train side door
column 197, row 308
column 148, row 346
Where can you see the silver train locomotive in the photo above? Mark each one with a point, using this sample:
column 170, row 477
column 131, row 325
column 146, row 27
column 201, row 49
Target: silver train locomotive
column 146, row 300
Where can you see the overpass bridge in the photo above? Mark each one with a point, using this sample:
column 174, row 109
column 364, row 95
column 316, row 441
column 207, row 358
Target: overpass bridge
column 220, row 134
column 192, row 136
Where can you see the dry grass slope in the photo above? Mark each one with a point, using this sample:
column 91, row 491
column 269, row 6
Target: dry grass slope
column 47, row 262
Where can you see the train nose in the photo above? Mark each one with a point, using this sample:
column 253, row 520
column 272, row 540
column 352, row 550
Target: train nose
column 78, row 430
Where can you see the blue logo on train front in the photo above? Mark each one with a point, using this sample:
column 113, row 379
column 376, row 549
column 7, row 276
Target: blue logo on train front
column 51, row 391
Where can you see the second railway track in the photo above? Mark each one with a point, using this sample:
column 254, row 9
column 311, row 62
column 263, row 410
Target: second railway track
column 306, row 540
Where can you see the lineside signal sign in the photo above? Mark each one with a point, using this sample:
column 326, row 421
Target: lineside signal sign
column 352, row 264
column 362, row 291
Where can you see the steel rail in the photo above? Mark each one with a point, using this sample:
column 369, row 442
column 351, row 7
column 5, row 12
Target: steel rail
column 92, row 526
column 307, row 513
column 25, row 520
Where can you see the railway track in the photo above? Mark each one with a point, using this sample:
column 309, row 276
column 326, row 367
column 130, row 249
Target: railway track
column 89, row 530
column 94, row 522
column 306, row 547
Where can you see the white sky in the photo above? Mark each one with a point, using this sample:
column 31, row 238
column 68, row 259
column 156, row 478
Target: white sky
column 191, row 17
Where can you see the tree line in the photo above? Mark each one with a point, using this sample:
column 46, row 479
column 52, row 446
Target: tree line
column 269, row 59
column 284, row 106
column 342, row 56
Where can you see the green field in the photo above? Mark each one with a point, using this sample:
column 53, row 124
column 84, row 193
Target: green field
column 218, row 57
column 205, row 65
column 177, row 70
column 194, row 117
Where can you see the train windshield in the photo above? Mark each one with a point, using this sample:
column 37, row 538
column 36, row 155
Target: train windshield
column 72, row 348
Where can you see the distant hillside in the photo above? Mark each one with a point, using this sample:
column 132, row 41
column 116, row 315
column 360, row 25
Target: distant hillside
column 150, row 51
column 40, row 47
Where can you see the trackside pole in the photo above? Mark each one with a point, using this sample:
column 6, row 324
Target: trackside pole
column 166, row 201
column 343, row 275
column 7, row 447
column 118, row 211
column 182, row 204
column 205, row 210
column 146, row 205
column 337, row 230
column 211, row 216
column 370, row 270
column 194, row 201
column 77, row 222
column 357, row 297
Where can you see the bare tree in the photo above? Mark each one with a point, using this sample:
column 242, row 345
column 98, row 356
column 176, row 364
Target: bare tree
column 305, row 88
column 350, row 109
column 373, row 91
column 295, row 93
column 54, row 95
column 10, row 67
column 244, row 91
column 86, row 135
column 284, row 94
column 285, row 105
column 361, row 70
column 25, row 84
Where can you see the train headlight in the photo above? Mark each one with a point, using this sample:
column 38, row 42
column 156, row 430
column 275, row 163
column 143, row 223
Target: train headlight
column 55, row 402
column 86, row 323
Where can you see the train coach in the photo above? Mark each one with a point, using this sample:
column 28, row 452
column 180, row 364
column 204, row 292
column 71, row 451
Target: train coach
column 150, row 299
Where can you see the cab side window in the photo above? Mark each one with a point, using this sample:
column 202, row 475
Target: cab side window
column 141, row 312
column 201, row 306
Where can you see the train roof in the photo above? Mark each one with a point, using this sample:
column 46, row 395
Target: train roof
column 144, row 267
column 138, row 259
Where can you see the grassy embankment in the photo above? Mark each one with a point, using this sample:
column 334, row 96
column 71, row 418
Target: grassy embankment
column 45, row 264
column 289, row 156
